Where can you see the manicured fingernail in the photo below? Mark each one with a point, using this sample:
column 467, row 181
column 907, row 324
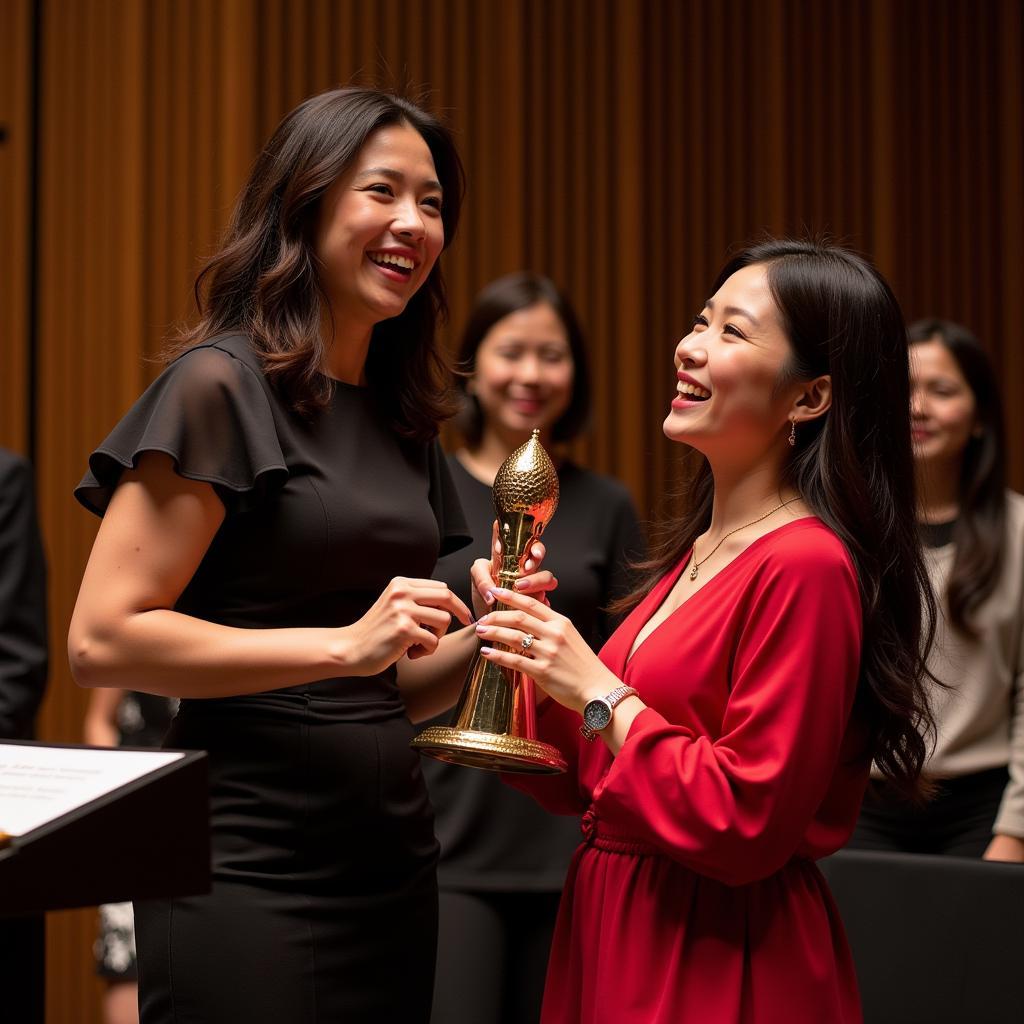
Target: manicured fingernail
column 499, row 591
column 486, row 650
column 528, row 564
column 497, row 547
column 489, row 597
column 523, row 584
column 481, row 630
column 535, row 551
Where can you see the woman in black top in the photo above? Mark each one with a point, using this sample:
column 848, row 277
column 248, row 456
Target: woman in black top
column 272, row 507
column 503, row 859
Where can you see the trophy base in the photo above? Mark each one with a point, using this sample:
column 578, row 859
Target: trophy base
column 496, row 752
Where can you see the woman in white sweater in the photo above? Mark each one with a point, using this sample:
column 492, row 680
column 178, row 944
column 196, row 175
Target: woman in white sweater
column 972, row 529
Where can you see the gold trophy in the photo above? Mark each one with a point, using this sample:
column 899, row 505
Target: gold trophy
column 495, row 723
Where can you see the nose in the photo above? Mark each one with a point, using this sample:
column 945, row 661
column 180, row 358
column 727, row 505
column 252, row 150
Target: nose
column 528, row 369
column 409, row 222
column 690, row 351
column 918, row 405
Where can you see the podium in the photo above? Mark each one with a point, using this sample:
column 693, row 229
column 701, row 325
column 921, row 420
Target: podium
column 145, row 835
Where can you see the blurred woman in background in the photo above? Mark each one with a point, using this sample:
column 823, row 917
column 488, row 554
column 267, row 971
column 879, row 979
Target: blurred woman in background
column 503, row 858
column 972, row 529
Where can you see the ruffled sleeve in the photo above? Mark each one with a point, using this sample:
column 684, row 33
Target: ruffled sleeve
column 209, row 411
column 444, row 500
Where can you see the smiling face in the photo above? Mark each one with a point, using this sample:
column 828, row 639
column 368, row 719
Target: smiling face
column 942, row 405
column 728, row 399
column 524, row 372
column 378, row 231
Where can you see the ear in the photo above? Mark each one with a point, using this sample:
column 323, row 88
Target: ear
column 814, row 400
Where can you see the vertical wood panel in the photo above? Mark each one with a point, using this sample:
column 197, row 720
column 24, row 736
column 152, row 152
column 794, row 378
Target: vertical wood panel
column 620, row 148
column 16, row 69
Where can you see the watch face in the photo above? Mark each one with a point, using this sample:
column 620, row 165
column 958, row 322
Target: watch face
column 597, row 714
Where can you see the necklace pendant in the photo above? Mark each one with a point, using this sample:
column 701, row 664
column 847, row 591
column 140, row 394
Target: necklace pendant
column 693, row 572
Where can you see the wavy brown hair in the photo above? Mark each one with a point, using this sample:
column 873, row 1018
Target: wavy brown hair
column 264, row 280
column 979, row 536
column 853, row 467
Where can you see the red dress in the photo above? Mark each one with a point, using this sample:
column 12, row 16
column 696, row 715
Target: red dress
column 694, row 898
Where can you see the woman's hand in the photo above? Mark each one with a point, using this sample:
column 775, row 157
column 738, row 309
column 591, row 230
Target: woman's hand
column 409, row 618
column 559, row 660
column 1006, row 848
column 484, row 575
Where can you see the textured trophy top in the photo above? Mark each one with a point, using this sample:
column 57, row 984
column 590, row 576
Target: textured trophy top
column 527, row 482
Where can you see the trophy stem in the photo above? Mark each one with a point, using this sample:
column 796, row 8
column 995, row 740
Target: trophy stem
column 495, row 720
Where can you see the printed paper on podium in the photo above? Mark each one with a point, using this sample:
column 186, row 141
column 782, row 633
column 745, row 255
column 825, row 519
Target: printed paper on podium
column 39, row 784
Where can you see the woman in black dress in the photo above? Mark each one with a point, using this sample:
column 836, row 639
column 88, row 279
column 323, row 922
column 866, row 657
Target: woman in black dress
column 503, row 858
column 272, row 505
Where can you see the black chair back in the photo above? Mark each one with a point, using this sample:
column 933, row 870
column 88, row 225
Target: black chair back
column 936, row 940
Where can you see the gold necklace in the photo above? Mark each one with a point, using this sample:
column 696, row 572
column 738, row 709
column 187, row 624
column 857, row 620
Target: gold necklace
column 697, row 565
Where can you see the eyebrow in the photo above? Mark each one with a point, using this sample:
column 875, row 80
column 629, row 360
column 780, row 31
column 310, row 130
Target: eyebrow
column 733, row 311
column 393, row 175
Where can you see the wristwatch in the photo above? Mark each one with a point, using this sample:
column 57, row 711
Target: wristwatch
column 597, row 713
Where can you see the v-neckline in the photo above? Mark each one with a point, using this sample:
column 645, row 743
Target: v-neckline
column 634, row 648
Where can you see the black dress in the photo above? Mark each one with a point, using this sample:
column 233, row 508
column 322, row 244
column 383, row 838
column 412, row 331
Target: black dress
column 324, row 897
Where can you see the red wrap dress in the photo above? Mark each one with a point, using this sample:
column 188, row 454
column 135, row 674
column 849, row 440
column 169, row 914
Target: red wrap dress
column 694, row 898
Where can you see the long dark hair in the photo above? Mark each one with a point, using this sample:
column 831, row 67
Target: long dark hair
column 980, row 532
column 853, row 468
column 263, row 281
column 504, row 296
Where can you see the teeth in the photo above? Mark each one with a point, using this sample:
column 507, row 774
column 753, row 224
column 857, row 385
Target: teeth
column 685, row 388
column 397, row 261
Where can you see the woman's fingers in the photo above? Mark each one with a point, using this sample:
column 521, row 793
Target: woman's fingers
column 437, row 620
column 516, row 662
column 435, row 594
column 424, row 643
column 512, row 638
column 536, row 583
column 523, row 602
column 535, row 556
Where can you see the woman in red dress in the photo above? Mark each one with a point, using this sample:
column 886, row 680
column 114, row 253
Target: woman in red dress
column 729, row 724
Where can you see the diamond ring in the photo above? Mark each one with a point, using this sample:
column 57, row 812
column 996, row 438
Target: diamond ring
column 528, row 641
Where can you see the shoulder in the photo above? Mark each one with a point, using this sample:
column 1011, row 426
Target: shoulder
column 805, row 551
column 220, row 359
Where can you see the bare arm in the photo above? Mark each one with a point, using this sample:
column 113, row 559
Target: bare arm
column 125, row 634
column 432, row 685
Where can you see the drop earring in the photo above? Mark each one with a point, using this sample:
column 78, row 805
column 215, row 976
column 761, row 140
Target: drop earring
column 792, row 433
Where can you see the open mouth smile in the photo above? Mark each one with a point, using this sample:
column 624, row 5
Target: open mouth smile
column 692, row 391
column 394, row 265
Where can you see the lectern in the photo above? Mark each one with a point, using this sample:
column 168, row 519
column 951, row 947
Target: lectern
column 90, row 825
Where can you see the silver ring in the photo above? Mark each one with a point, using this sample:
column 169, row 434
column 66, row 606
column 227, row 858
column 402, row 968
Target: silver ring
column 527, row 641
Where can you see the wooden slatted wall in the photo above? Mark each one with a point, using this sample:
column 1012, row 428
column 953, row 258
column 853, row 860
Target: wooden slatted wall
column 622, row 148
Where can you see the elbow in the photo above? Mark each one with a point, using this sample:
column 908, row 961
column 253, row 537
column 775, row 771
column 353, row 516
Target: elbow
column 90, row 666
